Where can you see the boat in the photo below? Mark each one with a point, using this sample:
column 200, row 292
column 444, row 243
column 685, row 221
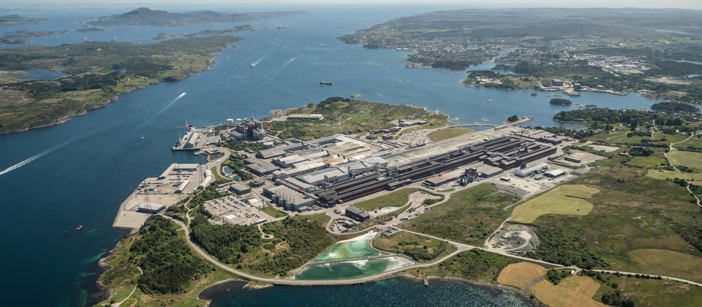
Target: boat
column 325, row 83
column 488, row 100
column 252, row 65
column 534, row 94
column 79, row 227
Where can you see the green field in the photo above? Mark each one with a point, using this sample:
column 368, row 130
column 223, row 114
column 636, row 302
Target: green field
column 631, row 212
column 397, row 198
column 275, row 213
column 649, row 292
column 666, row 262
column 447, row 133
column 468, row 216
column 565, row 199
column 420, row 248
column 648, row 162
column 665, row 174
column 689, row 159
column 693, row 144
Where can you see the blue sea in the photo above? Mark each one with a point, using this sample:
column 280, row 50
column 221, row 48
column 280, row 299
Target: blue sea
column 56, row 178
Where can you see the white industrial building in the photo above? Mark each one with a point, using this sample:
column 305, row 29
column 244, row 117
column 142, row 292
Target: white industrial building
column 531, row 170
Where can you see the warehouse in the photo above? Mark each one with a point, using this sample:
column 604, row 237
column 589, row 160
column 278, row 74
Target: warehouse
column 261, row 168
column 534, row 169
column 443, row 178
column 555, row 173
column 289, row 198
column 357, row 214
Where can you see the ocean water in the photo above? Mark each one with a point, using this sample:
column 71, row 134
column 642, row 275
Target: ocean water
column 358, row 247
column 56, row 178
column 390, row 292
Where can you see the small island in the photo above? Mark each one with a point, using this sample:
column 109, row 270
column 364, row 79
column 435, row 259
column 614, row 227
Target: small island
column 560, row 102
column 674, row 107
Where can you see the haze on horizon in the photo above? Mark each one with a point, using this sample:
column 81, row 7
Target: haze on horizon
column 682, row 4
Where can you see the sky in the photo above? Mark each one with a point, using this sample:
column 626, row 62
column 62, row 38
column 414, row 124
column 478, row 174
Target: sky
column 688, row 4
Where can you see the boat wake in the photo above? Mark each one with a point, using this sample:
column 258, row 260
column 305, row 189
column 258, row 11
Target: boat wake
column 278, row 71
column 33, row 158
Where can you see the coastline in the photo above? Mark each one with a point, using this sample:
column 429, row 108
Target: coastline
column 210, row 63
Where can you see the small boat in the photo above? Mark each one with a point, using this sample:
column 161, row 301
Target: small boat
column 252, row 65
column 325, row 83
column 79, row 227
column 488, row 100
column 534, row 94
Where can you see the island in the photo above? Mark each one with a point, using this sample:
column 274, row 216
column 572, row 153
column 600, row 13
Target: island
column 302, row 197
column 97, row 72
column 16, row 20
column 147, row 17
column 560, row 102
column 617, row 51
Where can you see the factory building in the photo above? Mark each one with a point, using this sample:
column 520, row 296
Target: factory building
column 444, row 178
column 534, row 169
column 251, row 128
column 325, row 175
column 357, row 214
column 279, row 151
column 487, row 171
column 182, row 186
column 289, row 198
column 555, row 173
column 239, row 188
column 261, row 168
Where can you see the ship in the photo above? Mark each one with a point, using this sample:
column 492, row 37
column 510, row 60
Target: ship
column 325, row 83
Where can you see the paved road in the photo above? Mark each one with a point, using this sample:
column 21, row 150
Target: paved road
column 689, row 282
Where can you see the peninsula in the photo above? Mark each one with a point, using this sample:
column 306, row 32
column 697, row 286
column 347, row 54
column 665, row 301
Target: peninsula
column 300, row 198
column 656, row 52
column 147, row 17
column 97, row 72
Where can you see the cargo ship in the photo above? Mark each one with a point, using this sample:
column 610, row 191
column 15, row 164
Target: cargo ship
column 325, row 83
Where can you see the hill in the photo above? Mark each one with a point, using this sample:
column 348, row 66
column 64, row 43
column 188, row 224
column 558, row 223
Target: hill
column 147, row 17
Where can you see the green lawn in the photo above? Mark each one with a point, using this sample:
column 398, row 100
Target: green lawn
column 468, row 216
column 275, row 213
column 650, row 292
column 566, row 199
column 648, row 162
column 665, row 174
column 693, row 144
column 686, row 158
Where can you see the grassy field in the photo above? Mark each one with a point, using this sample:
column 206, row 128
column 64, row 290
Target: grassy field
column 420, row 248
column 650, row 292
column 447, row 133
column 566, row 199
column 468, row 216
column 686, row 158
column 648, row 162
column 665, row 174
column 397, row 198
column 631, row 212
column 519, row 274
column 666, row 262
column 275, row 213
column 693, row 144
column 572, row 291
